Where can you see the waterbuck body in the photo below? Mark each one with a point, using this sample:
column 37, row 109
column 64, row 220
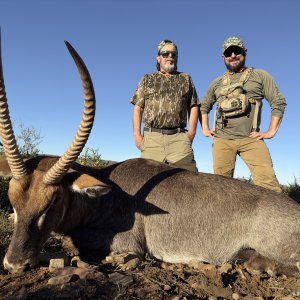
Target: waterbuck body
column 139, row 205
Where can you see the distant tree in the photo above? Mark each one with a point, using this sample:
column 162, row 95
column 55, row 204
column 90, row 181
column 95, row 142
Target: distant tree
column 28, row 140
column 91, row 157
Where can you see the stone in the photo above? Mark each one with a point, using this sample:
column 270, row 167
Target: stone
column 56, row 263
column 119, row 279
column 62, row 279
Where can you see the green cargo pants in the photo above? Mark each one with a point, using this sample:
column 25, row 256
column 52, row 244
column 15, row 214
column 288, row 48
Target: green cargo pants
column 253, row 152
column 175, row 149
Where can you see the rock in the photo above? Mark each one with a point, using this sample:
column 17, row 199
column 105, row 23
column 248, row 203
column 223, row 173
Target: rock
column 195, row 264
column 131, row 265
column 74, row 260
column 82, row 273
column 240, row 271
column 122, row 258
column 62, row 279
column 167, row 266
column 56, row 263
column 235, row 296
column 45, row 257
column 119, row 279
column 225, row 268
column 78, row 263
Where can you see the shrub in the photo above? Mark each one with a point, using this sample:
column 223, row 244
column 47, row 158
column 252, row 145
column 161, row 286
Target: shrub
column 28, row 140
column 293, row 190
column 92, row 158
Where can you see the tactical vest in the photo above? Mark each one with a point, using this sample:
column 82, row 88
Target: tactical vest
column 233, row 99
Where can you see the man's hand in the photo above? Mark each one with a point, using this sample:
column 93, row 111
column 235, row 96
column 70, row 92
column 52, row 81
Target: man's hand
column 273, row 128
column 205, row 127
column 138, row 138
column 207, row 132
column 261, row 135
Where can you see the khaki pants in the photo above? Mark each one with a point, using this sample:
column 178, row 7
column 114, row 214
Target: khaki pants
column 253, row 152
column 175, row 149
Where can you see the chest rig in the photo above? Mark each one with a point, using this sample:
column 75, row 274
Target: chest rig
column 233, row 100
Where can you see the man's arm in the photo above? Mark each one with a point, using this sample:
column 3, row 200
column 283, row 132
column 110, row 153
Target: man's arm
column 205, row 126
column 194, row 114
column 277, row 104
column 137, row 121
column 273, row 128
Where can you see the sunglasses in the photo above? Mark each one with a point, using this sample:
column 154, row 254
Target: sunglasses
column 236, row 50
column 166, row 54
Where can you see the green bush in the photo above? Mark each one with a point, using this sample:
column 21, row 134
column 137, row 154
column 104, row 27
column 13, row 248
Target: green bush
column 92, row 158
column 28, row 140
column 293, row 190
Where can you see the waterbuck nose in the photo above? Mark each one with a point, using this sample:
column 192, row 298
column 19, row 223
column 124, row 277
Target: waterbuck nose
column 18, row 267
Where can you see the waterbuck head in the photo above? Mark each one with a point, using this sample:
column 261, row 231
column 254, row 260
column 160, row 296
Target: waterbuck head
column 38, row 189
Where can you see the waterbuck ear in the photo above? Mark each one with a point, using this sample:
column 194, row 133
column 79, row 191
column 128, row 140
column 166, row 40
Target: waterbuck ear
column 92, row 186
column 4, row 168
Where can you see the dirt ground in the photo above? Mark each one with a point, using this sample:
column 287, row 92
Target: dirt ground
column 151, row 279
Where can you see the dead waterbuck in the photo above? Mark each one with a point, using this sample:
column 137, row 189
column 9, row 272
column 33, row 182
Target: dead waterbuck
column 140, row 205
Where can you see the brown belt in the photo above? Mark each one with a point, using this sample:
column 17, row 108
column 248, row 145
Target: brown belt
column 165, row 131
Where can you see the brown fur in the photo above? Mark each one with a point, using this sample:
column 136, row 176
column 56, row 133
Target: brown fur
column 145, row 206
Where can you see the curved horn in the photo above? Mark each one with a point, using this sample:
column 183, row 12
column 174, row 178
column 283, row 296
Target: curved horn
column 57, row 171
column 11, row 150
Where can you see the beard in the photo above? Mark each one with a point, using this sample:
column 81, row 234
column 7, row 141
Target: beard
column 237, row 67
column 168, row 68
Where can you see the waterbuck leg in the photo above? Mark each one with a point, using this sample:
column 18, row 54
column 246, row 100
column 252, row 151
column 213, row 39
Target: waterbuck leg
column 259, row 264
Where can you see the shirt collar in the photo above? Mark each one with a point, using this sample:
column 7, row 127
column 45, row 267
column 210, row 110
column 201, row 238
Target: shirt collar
column 239, row 71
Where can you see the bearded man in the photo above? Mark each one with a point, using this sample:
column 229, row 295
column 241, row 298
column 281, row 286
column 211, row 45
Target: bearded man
column 239, row 94
column 163, row 101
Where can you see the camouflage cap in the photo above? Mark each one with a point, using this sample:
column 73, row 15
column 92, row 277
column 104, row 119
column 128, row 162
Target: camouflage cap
column 233, row 41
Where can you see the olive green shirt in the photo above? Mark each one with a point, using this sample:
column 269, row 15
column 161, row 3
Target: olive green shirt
column 165, row 100
column 259, row 86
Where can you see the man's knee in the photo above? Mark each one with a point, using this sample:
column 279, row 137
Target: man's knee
column 223, row 170
column 266, row 178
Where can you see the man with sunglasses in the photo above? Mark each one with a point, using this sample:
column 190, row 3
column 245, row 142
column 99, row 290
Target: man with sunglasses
column 162, row 101
column 239, row 94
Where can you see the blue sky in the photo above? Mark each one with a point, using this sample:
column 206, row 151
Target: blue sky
column 117, row 40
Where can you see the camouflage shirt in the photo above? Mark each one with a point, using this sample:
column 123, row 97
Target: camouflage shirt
column 165, row 100
column 259, row 86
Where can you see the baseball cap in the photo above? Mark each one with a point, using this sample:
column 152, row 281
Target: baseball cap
column 233, row 41
column 165, row 42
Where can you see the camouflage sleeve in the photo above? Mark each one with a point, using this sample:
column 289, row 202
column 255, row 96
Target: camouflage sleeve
column 209, row 99
column 193, row 99
column 272, row 94
column 139, row 95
